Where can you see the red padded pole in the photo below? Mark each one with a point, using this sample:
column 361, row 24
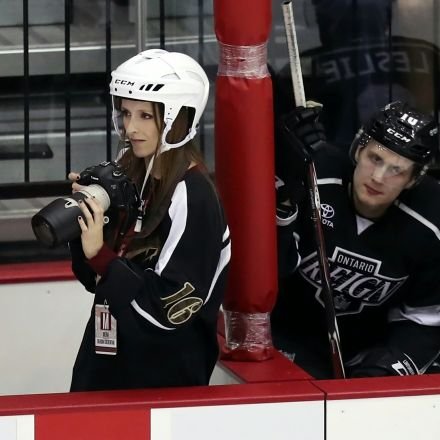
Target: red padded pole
column 244, row 161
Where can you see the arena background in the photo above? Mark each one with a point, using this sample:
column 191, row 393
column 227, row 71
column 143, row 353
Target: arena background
column 54, row 116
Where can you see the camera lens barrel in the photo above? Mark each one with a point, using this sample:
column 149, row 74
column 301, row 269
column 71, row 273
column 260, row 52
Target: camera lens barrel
column 57, row 222
column 99, row 193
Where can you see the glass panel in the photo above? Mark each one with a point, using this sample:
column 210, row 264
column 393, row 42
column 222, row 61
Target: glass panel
column 83, row 94
column 358, row 55
column 87, row 86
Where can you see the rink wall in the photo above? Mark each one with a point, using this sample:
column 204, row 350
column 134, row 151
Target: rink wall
column 43, row 312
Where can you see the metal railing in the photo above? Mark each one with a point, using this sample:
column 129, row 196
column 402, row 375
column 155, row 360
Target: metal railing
column 28, row 186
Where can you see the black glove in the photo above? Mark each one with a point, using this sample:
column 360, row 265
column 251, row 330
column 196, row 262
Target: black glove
column 303, row 130
column 382, row 361
column 298, row 134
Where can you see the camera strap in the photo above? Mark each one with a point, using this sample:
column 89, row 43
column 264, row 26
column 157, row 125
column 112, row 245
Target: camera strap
column 143, row 204
column 126, row 234
column 157, row 212
column 122, row 242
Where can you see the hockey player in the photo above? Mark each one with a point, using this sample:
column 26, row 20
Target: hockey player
column 157, row 289
column 381, row 221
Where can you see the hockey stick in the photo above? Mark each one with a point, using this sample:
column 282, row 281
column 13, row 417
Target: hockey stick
column 313, row 193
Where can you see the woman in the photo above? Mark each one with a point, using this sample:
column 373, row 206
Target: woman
column 158, row 287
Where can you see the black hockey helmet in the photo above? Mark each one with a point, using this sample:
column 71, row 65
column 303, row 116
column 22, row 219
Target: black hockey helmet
column 401, row 129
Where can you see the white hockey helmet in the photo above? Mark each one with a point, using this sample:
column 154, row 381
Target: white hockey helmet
column 174, row 79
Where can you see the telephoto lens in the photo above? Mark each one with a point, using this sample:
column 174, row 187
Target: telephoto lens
column 57, row 223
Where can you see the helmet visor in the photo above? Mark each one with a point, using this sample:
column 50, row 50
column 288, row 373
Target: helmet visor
column 117, row 117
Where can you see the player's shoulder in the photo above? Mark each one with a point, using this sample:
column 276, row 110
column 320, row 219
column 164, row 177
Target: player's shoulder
column 423, row 199
column 332, row 162
column 197, row 179
column 198, row 186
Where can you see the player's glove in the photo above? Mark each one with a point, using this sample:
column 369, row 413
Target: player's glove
column 298, row 134
column 303, row 129
column 382, row 361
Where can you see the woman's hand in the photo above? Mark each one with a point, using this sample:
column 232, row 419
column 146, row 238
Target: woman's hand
column 92, row 224
column 73, row 177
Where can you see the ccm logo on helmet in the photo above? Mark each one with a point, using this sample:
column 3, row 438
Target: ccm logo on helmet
column 398, row 135
column 124, row 82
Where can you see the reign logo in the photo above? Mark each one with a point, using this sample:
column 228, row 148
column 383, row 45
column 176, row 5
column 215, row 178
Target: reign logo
column 355, row 279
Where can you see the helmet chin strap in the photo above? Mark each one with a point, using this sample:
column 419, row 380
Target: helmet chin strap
column 165, row 146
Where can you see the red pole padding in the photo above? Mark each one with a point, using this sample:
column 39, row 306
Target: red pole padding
column 244, row 22
column 245, row 174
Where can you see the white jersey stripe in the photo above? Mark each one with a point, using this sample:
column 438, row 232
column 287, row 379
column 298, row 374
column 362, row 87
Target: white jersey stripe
column 427, row 315
column 225, row 256
column 418, row 217
column 329, row 181
column 226, row 234
column 148, row 317
column 178, row 212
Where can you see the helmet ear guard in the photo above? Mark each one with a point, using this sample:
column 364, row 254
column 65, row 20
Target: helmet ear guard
column 360, row 140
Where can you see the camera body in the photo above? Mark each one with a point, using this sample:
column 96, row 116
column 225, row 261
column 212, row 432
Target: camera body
column 57, row 222
column 119, row 188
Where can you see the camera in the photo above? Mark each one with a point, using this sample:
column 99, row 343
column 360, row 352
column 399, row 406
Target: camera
column 57, row 223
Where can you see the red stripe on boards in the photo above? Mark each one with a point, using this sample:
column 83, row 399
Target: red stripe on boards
column 36, row 272
column 87, row 425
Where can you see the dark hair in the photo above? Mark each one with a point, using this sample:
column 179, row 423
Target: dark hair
column 171, row 167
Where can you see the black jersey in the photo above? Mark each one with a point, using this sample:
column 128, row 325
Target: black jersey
column 165, row 300
column 385, row 274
